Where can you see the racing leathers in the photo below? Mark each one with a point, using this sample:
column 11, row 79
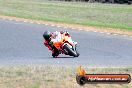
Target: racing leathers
column 55, row 37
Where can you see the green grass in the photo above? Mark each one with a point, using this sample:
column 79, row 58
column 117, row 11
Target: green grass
column 89, row 14
column 47, row 76
column 35, row 85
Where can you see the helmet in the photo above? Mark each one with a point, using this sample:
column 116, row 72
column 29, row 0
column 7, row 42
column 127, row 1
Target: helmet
column 46, row 35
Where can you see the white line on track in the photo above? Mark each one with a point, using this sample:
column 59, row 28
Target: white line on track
column 52, row 25
column 17, row 20
column 95, row 31
column 80, row 29
column 125, row 35
column 25, row 21
column 101, row 32
column 115, row 34
column 46, row 24
column 65, row 27
column 72, row 28
column 11, row 19
column 60, row 26
column 38, row 23
column 108, row 33
column 3, row 18
column 31, row 22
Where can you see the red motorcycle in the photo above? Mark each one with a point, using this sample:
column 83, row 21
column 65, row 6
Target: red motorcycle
column 66, row 46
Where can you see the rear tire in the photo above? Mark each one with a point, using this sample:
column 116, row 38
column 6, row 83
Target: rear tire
column 70, row 51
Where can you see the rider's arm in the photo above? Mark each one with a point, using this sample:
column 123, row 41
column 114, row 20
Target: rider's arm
column 66, row 33
column 47, row 45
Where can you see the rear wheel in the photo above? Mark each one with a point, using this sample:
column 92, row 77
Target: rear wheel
column 70, row 51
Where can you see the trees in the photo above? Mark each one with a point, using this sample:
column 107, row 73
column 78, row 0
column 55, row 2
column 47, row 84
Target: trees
column 102, row 1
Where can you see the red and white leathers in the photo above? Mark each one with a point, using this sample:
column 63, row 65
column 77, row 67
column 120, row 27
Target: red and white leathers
column 55, row 37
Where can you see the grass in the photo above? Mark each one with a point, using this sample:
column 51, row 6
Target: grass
column 47, row 76
column 88, row 14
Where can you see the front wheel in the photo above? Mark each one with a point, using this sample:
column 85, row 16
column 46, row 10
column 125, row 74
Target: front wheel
column 70, row 51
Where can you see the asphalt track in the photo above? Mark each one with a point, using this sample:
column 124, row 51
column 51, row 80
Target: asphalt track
column 22, row 44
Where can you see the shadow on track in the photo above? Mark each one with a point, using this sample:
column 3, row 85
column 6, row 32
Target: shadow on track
column 62, row 57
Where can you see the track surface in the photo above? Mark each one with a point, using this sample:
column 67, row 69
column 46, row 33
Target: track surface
column 22, row 43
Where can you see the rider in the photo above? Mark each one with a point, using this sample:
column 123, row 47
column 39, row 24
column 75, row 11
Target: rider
column 52, row 37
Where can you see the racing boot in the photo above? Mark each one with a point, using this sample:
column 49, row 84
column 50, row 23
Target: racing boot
column 55, row 54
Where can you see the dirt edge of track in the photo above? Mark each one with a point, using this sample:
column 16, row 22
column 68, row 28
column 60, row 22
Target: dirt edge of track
column 72, row 26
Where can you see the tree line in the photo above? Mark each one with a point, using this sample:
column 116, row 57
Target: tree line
column 102, row 1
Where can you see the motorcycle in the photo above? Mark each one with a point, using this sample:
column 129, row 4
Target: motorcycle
column 66, row 46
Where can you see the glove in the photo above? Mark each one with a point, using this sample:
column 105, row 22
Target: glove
column 67, row 33
column 64, row 32
column 51, row 43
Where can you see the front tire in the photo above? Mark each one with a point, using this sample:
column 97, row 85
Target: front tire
column 77, row 51
column 70, row 51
